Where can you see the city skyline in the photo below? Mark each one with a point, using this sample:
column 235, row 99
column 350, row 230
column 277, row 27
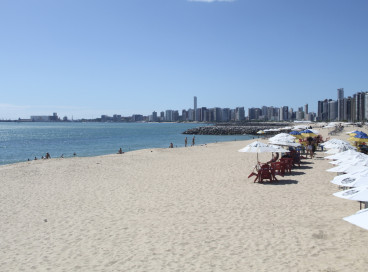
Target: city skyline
column 89, row 58
column 341, row 109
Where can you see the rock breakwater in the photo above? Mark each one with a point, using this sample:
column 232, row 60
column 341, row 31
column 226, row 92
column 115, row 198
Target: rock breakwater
column 230, row 130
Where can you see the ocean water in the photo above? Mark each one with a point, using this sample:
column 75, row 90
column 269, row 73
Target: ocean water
column 22, row 141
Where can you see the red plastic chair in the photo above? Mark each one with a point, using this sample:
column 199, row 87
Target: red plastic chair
column 278, row 168
column 288, row 164
column 265, row 173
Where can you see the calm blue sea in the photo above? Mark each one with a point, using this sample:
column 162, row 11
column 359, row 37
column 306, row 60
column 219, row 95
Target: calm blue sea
column 20, row 141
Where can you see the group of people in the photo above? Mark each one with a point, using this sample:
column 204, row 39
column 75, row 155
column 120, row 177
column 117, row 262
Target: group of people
column 185, row 142
column 311, row 145
column 48, row 156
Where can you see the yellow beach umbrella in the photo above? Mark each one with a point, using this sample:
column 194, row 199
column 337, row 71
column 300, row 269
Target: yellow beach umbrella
column 359, row 137
column 296, row 134
column 308, row 133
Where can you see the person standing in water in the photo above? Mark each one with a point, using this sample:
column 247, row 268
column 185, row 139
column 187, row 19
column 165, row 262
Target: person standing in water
column 186, row 141
column 193, row 141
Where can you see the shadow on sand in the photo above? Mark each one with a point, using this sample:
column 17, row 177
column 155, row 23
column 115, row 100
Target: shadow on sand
column 306, row 162
column 280, row 182
column 294, row 173
column 302, row 167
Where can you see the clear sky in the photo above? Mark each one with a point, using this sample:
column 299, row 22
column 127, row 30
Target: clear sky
column 84, row 58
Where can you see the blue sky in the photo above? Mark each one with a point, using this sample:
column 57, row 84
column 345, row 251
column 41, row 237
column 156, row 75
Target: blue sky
column 84, row 58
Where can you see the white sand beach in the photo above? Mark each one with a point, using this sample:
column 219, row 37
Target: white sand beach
column 180, row 209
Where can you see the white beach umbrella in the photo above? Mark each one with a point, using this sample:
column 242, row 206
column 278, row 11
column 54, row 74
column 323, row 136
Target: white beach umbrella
column 352, row 179
column 348, row 168
column 337, row 144
column 351, row 159
column 259, row 147
column 284, row 137
column 358, row 194
column 285, row 143
column 359, row 219
column 342, row 154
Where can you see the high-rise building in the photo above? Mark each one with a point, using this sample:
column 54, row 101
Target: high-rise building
column 190, row 115
column 366, row 106
column 306, row 112
column 195, row 108
column 225, row 115
column 154, row 116
column 240, row 113
column 204, row 114
column 332, row 110
column 340, row 104
column 284, row 113
column 169, row 116
column 359, row 106
column 184, row 115
column 340, row 93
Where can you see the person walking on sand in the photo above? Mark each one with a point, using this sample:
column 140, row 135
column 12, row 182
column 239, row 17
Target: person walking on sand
column 186, row 141
column 193, row 141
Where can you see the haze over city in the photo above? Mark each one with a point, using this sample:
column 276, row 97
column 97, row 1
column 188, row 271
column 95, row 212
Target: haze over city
column 88, row 58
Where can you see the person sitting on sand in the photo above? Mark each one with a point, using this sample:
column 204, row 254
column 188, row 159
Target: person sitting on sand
column 171, row 145
column 120, row 151
column 48, row 156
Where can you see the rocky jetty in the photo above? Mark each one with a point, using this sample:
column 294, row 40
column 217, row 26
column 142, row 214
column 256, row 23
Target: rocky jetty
column 230, row 130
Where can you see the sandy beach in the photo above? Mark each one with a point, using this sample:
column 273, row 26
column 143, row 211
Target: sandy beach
column 180, row 209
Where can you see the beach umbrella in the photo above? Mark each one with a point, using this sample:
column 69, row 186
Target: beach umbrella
column 336, row 146
column 356, row 179
column 341, row 155
column 359, row 219
column 348, row 168
column 353, row 166
column 283, row 137
column 353, row 133
column 359, row 138
column 349, row 159
column 307, row 133
column 296, row 134
column 358, row 194
column 281, row 143
column 259, row 147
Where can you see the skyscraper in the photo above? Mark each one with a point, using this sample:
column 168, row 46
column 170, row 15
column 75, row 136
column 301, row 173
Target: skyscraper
column 340, row 104
column 340, row 93
column 195, row 108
